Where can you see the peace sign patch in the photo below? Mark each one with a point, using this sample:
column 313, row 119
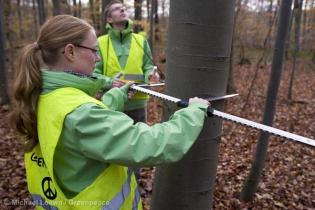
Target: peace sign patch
column 48, row 190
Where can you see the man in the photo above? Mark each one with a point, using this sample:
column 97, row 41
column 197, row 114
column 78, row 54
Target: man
column 125, row 56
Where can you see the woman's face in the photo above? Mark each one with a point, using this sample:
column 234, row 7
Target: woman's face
column 86, row 54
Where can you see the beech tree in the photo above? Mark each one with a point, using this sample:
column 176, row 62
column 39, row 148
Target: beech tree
column 253, row 179
column 4, row 99
column 198, row 59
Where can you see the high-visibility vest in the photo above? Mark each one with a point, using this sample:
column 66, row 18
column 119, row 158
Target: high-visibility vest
column 114, row 188
column 133, row 68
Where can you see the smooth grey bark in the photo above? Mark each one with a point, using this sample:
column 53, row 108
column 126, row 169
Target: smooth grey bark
column 198, row 58
column 4, row 98
column 253, row 179
column 297, row 27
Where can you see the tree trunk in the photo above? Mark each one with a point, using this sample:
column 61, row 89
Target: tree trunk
column 92, row 13
column 75, row 8
column 148, row 10
column 138, row 15
column 288, row 42
column 155, row 11
column 79, row 9
column 66, row 7
column 103, row 23
column 21, row 33
column 41, row 11
column 305, row 11
column 156, row 21
column 35, row 17
column 4, row 99
column 297, row 26
column 252, row 181
column 198, row 58
column 151, row 40
column 56, row 7
column 97, row 15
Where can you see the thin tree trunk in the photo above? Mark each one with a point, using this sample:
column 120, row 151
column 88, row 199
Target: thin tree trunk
column 75, row 8
column 231, row 88
column 297, row 26
column 21, row 33
column 288, row 42
column 103, row 23
column 253, row 179
column 304, row 21
column 56, row 7
column 35, row 17
column 41, row 11
column 4, row 98
column 138, row 15
column 156, row 21
column 65, row 6
column 148, row 10
column 198, row 58
column 260, row 60
column 92, row 12
column 79, row 9
column 151, row 39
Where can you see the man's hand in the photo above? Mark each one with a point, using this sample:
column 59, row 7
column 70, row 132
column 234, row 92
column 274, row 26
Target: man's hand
column 127, row 90
column 118, row 83
column 154, row 77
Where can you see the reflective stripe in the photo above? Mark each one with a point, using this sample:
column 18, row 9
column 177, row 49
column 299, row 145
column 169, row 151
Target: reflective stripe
column 40, row 201
column 117, row 202
column 136, row 199
column 134, row 77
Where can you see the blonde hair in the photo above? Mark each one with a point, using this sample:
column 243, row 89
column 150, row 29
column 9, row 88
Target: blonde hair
column 53, row 36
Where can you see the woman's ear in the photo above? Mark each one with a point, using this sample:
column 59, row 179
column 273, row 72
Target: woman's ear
column 69, row 52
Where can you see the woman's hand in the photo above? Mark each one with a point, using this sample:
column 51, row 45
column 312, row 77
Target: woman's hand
column 127, row 90
column 199, row 100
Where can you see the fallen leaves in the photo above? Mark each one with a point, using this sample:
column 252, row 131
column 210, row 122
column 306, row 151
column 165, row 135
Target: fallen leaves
column 287, row 182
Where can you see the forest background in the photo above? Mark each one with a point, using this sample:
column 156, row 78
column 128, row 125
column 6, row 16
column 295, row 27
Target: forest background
column 288, row 180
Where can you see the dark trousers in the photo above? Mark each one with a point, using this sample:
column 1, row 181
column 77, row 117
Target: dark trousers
column 138, row 115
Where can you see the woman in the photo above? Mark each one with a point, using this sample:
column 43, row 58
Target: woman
column 79, row 150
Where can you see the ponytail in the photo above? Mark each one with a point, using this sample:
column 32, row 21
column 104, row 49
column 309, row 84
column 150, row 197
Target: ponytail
column 26, row 90
column 53, row 36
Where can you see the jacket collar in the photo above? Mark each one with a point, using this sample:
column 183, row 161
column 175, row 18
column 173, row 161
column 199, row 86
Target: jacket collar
column 52, row 80
column 121, row 35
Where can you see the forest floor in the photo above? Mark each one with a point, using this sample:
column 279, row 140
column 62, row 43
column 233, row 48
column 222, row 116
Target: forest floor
column 288, row 180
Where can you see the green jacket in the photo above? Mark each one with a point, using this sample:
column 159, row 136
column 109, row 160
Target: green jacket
column 121, row 43
column 94, row 137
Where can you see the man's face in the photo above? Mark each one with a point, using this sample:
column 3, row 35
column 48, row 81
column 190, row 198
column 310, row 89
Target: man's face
column 117, row 14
